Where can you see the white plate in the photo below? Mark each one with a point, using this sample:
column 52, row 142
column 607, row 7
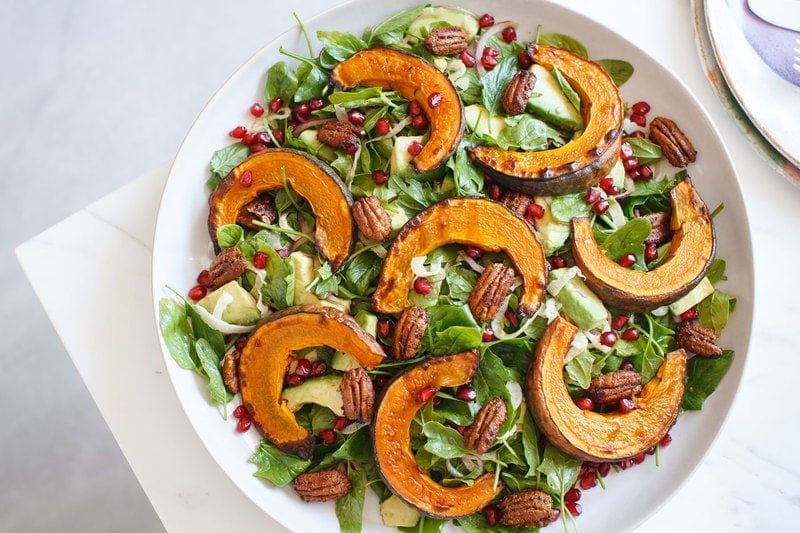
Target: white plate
column 181, row 251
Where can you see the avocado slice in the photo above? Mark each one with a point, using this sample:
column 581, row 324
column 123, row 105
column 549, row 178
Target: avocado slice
column 303, row 275
column 481, row 123
column 437, row 16
column 549, row 102
column 241, row 309
column 369, row 323
column 309, row 138
column 703, row 290
column 324, row 390
column 397, row 513
column 578, row 302
column 552, row 233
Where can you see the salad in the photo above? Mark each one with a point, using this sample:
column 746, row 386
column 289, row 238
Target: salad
column 456, row 269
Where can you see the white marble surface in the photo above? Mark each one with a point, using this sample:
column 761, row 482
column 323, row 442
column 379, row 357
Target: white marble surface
column 749, row 481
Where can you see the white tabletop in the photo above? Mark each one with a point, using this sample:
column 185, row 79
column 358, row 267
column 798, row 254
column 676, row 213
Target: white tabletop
column 750, row 480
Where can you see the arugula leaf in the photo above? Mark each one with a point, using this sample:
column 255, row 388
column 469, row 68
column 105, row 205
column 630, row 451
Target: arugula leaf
column 495, row 82
column 281, row 83
column 561, row 469
column 559, row 40
column 467, row 178
column 326, row 281
column 209, row 361
column 646, row 152
column 515, row 354
column 530, row 445
column 705, row 374
column 567, row 206
column 567, row 89
column 628, row 239
column 413, row 195
column 350, row 508
column 361, row 272
column 229, row 235
column 277, row 467
column 202, row 330
column 391, row 30
column 177, row 333
column 524, row 132
column 278, row 288
column 619, row 70
column 367, row 97
column 339, row 45
column 443, row 441
column 224, row 160
column 715, row 309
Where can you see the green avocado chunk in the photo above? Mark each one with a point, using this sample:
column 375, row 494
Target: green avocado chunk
column 549, row 102
column 437, row 16
column 325, row 391
column 578, row 302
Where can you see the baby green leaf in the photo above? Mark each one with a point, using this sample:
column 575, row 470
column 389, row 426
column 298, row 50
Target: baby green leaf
column 276, row 466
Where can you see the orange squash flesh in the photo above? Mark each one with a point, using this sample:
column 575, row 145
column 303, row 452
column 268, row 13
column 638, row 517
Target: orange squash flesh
column 307, row 176
column 600, row 436
column 268, row 353
column 415, row 79
column 579, row 163
column 392, row 440
column 478, row 222
column 688, row 259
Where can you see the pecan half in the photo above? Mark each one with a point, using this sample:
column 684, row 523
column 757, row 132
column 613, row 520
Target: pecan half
column 481, row 433
column 409, row 331
column 227, row 266
column 676, row 146
column 338, row 134
column 516, row 201
column 611, row 387
column 322, row 486
column 371, row 218
column 699, row 340
column 261, row 209
column 492, row 288
column 230, row 370
column 446, row 41
column 527, row 508
column 660, row 231
column 358, row 395
column 518, row 92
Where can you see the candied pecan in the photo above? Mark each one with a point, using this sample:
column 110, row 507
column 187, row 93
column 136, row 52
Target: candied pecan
column 358, row 395
column 518, row 92
column 517, row 202
column 660, row 231
column 609, row 388
column 322, row 486
column 409, row 331
column 697, row 339
column 490, row 291
column 371, row 218
column 676, row 146
column 338, row 134
column 481, row 433
column 528, row 508
column 446, row 41
column 227, row 266
column 230, row 370
column 261, row 209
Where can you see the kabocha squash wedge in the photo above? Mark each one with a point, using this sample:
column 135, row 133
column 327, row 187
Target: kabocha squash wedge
column 478, row 222
column 686, row 263
column 268, row 353
column 600, row 436
column 579, row 163
column 416, row 80
column 391, row 433
column 309, row 177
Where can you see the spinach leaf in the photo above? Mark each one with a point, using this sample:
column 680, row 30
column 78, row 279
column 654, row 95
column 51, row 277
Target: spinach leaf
column 477, row 523
column 177, row 333
column 278, row 288
column 559, row 40
column 277, row 467
column 491, row 378
column 460, row 282
column 281, row 83
column 339, row 45
column 350, row 508
column 456, row 411
column 451, row 329
column 443, row 441
column 524, row 132
column 391, row 30
column 413, row 195
column 326, row 281
column 320, row 418
column 209, row 361
column 561, row 469
column 705, row 374
column 530, row 445
column 426, row 524
column 567, row 89
column 653, row 187
column 579, row 369
column 312, row 82
column 223, row 161
column 495, row 82
column 515, row 354
column 715, row 309
column 202, row 330
column 567, row 206
column 628, row 239
column 646, row 152
column 716, row 272
column 467, row 178
column 366, row 97
column 361, row 272
column 619, row 70
column 229, row 235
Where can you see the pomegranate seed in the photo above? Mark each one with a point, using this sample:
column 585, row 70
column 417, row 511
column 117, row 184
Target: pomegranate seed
column 275, row 104
column 249, row 139
column 592, row 195
column 640, row 108
column 294, row 380
column 588, row 480
column 625, row 151
column 241, row 342
column 645, row 172
column 625, row 405
column 691, row 314
column 415, row 148
column 204, row 278
column 244, row 424
column 639, row 459
column 280, row 137
column 665, row 440
column 316, row 104
column 585, row 403
column 626, row 365
column 491, row 52
column 240, row 411
column 351, row 149
column 466, row 393
column 627, row 260
column 303, row 368
column 382, row 126
column 283, row 252
column 434, row 99
column 639, row 120
column 256, row 110
column 197, row 292
column 260, row 260
column 630, row 334
column 572, row 495
column 524, row 59
column 327, row 436
column 534, row 211
column 384, row 327
column 474, row 252
column 509, row 34
column 303, row 109
column 246, row 179
column 600, row 206
column 462, row 429
column 632, row 163
column 422, row 286
column 574, row 508
column 512, row 318
column 487, row 335
column 558, row 262
column 494, row 192
column 625, row 464
column 379, row 177
column 340, row 423
column 490, row 514
column 485, row 21
column 319, row 368
column 426, row 394
column 488, row 62
column 619, row 321
column 650, row 252
column 604, row 469
column 635, row 175
column 419, row 122
column 238, row 132
column 356, row 117
column 467, row 59
column 436, row 401
column 380, row 382
column 257, row 147
column 637, row 133
column 414, row 108
column 608, row 338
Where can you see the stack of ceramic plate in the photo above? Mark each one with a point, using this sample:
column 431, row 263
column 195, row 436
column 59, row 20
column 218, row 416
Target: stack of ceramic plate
column 751, row 49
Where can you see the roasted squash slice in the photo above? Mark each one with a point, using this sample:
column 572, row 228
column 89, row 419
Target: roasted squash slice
column 391, row 432
column 307, row 176
column 600, row 436
column 471, row 221
column 268, row 353
column 688, row 259
column 581, row 162
column 417, row 80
